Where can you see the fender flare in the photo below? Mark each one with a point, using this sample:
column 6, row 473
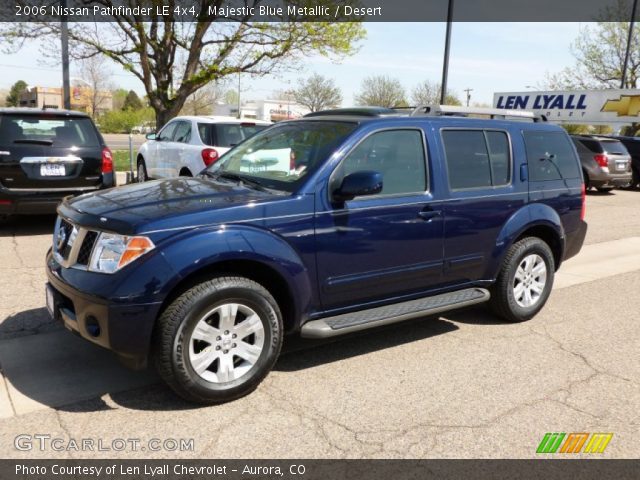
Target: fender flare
column 199, row 250
column 528, row 217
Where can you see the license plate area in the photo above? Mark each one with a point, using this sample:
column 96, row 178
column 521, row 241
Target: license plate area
column 52, row 170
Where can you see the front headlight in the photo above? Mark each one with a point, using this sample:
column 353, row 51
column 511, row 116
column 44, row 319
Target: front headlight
column 112, row 252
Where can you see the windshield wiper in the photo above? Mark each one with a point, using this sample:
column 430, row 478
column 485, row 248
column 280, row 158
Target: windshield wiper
column 238, row 178
column 37, row 142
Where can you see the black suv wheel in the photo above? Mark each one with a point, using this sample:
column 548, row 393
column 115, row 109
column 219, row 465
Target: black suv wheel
column 217, row 341
column 525, row 280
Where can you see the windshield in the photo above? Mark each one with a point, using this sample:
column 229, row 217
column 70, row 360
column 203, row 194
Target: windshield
column 283, row 155
column 49, row 129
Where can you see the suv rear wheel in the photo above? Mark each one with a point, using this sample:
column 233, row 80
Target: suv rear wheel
column 217, row 341
column 525, row 280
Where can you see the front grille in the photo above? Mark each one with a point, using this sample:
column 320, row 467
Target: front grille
column 72, row 245
column 84, row 254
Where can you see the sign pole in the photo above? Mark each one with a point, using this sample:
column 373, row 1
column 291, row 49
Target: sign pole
column 623, row 81
column 445, row 63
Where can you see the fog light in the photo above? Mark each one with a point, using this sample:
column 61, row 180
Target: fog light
column 92, row 326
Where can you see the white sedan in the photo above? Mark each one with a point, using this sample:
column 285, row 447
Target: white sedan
column 186, row 145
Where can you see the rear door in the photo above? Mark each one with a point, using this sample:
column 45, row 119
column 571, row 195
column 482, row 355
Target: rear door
column 554, row 174
column 49, row 151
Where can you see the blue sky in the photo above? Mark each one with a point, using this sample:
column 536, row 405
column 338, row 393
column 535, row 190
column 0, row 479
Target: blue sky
column 487, row 57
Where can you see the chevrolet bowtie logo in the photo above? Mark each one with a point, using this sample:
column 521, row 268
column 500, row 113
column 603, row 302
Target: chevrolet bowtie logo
column 626, row 105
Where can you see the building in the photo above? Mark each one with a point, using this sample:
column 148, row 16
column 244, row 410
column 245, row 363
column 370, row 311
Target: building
column 82, row 99
column 269, row 110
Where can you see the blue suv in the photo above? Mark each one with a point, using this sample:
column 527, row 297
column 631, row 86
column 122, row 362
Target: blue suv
column 337, row 222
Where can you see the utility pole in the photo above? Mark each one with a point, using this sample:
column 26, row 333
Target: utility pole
column 64, row 41
column 623, row 81
column 445, row 63
column 468, row 90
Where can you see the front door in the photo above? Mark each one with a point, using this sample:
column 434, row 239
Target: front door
column 385, row 245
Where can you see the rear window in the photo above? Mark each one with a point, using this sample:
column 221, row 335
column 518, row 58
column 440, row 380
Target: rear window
column 47, row 130
column 227, row 135
column 550, row 156
column 477, row 158
column 614, row 147
column 592, row 145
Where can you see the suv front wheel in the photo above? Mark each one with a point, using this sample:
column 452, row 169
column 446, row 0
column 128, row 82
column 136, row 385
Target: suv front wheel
column 217, row 341
column 525, row 280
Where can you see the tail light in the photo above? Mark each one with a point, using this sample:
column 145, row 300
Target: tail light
column 292, row 160
column 583, row 198
column 210, row 156
column 107, row 161
column 602, row 160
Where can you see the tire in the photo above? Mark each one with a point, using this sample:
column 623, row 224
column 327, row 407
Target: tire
column 604, row 189
column 635, row 178
column 587, row 182
column 512, row 306
column 205, row 370
column 185, row 173
column 142, row 172
column 4, row 219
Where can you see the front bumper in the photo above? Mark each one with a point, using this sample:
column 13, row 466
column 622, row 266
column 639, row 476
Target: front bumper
column 124, row 328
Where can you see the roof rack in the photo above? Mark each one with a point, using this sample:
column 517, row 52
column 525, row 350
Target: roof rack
column 453, row 110
column 356, row 111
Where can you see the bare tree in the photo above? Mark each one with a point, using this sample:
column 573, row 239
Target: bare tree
column 202, row 102
column 149, row 47
column 317, row 93
column 95, row 72
column 428, row 93
column 381, row 91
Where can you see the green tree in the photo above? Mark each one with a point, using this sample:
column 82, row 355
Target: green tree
column 118, row 97
column 317, row 93
column 132, row 101
column 599, row 53
column 13, row 99
column 381, row 91
column 428, row 93
column 211, row 49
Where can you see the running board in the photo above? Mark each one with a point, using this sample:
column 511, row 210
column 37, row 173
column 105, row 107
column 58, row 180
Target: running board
column 375, row 317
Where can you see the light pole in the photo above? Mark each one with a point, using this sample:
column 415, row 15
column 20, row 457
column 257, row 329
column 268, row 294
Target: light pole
column 623, row 81
column 445, row 63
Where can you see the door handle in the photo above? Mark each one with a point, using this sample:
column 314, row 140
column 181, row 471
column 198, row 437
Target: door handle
column 429, row 214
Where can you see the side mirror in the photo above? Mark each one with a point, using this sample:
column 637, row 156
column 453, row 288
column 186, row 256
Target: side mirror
column 150, row 136
column 358, row 184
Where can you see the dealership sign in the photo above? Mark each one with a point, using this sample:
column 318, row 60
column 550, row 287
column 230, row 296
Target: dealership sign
column 576, row 106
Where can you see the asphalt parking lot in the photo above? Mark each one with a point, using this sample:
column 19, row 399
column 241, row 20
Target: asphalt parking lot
column 460, row 385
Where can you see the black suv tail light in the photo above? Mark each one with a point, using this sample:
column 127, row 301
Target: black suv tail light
column 107, row 161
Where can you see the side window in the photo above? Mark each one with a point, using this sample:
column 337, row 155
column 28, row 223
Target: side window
column 182, row 133
column 550, row 156
column 397, row 154
column 166, row 134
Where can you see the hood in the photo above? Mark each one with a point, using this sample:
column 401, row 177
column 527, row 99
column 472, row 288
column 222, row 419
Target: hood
column 159, row 204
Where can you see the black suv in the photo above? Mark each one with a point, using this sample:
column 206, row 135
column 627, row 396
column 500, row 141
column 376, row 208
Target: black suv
column 632, row 144
column 46, row 155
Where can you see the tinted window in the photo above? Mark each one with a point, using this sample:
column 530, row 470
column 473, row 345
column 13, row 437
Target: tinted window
column 227, row 135
column 283, row 155
column 59, row 131
column 614, row 147
column 166, row 134
column 592, row 145
column 499, row 156
column 467, row 159
column 397, row 154
column 182, row 133
column 550, row 156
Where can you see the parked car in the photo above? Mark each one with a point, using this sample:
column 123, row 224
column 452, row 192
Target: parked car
column 632, row 144
column 147, row 127
column 186, row 145
column 392, row 218
column 46, row 155
column 606, row 163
